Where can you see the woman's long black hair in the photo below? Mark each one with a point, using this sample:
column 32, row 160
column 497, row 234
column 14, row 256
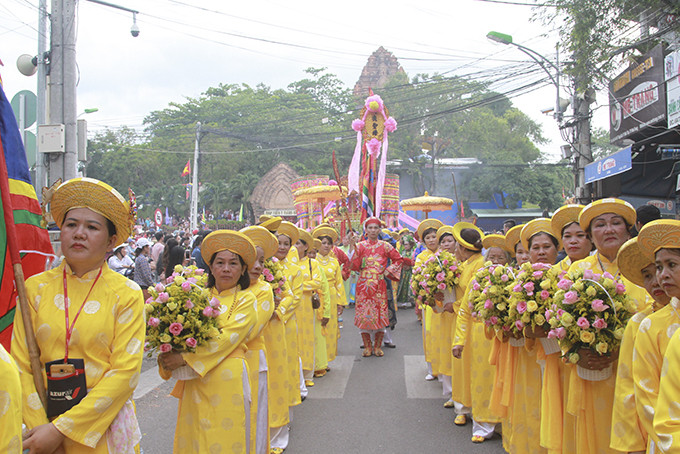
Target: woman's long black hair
column 243, row 281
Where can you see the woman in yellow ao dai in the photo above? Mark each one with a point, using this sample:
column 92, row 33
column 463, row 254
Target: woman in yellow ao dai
column 470, row 344
column 427, row 232
column 629, row 432
column 333, row 271
column 525, row 416
column 257, row 355
column 591, row 402
column 306, row 318
column 288, row 234
column 10, row 405
column 656, row 387
column 214, row 407
column 107, row 321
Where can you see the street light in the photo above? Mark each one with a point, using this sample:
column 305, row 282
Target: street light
column 505, row 39
column 88, row 111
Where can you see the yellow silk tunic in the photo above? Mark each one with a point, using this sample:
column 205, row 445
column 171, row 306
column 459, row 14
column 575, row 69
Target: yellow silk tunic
column 257, row 348
column 428, row 347
column 10, row 404
column 651, row 344
column 290, row 308
column 108, row 335
column 214, row 409
column 333, row 271
column 592, row 402
column 627, row 433
column 311, row 282
column 277, row 363
column 667, row 416
column 472, row 371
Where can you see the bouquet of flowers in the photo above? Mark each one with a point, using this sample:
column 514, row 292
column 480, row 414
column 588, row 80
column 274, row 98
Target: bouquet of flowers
column 591, row 312
column 489, row 296
column 532, row 295
column 181, row 315
column 439, row 272
column 274, row 275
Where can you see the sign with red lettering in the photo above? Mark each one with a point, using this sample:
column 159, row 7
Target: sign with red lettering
column 637, row 98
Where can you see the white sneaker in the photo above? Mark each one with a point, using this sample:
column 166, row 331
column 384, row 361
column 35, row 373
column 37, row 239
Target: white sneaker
column 430, row 377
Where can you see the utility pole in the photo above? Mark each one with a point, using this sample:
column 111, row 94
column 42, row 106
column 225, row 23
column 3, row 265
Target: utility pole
column 62, row 87
column 194, row 180
column 40, row 159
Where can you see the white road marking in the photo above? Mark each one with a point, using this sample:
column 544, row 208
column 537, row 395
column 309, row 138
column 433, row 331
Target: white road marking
column 415, row 370
column 148, row 381
column 334, row 383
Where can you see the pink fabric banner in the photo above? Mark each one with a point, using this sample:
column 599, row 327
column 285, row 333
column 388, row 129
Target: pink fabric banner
column 353, row 175
column 408, row 220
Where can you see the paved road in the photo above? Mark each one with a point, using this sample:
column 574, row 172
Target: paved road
column 364, row 405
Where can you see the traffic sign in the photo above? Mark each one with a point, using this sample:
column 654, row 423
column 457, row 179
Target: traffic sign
column 158, row 217
column 30, row 107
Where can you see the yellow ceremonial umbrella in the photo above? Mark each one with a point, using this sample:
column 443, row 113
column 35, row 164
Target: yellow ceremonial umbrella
column 321, row 194
column 426, row 203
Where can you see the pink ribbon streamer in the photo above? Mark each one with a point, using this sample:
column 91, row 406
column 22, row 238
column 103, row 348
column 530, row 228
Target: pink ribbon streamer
column 328, row 208
column 408, row 220
column 354, row 168
column 381, row 176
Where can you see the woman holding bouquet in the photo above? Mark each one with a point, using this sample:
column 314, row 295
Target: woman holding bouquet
column 590, row 396
column 444, row 316
column 257, row 355
column 427, row 232
column 630, row 429
column 218, row 399
column 517, row 249
column 472, row 373
column 654, row 349
column 287, row 235
column 90, row 323
column 333, row 271
column 312, row 344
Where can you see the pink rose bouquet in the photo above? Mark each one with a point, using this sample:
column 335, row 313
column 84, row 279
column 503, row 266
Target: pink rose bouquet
column 489, row 295
column 181, row 314
column 591, row 311
column 531, row 296
column 438, row 273
column 274, row 275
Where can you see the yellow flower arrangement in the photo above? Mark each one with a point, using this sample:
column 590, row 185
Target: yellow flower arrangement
column 439, row 272
column 531, row 297
column 181, row 315
column 274, row 275
column 489, row 295
column 591, row 311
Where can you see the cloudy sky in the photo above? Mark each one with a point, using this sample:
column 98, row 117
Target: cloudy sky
column 186, row 46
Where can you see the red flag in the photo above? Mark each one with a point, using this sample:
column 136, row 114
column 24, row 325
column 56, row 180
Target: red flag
column 22, row 239
column 187, row 169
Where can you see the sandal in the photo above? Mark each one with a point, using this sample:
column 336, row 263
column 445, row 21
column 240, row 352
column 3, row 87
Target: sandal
column 460, row 420
column 449, row 404
column 478, row 439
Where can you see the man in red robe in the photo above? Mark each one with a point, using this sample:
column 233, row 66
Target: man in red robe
column 370, row 259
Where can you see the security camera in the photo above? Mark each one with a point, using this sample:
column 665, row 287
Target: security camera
column 134, row 30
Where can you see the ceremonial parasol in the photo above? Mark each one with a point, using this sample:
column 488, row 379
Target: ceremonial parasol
column 320, row 194
column 427, row 203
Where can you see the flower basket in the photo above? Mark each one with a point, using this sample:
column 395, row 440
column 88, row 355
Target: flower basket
column 531, row 298
column 594, row 375
column 489, row 296
column 592, row 311
column 273, row 274
column 181, row 315
column 439, row 272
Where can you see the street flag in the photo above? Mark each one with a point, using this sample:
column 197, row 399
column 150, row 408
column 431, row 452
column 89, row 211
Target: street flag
column 22, row 239
column 187, row 169
column 240, row 214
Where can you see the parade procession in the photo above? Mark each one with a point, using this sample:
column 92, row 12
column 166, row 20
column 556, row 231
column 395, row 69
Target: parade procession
column 407, row 266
